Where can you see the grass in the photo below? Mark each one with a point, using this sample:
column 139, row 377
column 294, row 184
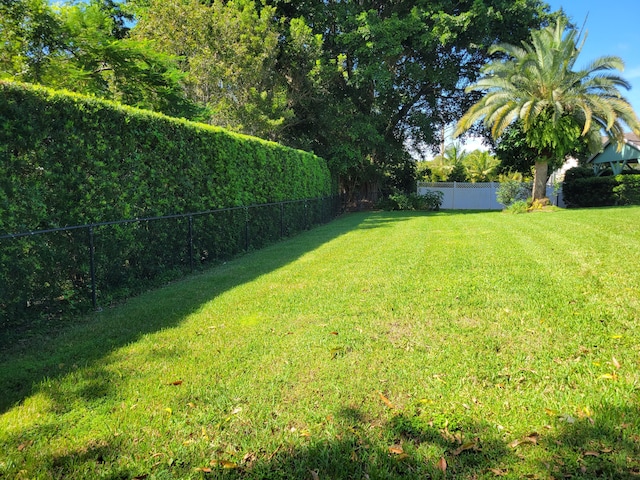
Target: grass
column 382, row 345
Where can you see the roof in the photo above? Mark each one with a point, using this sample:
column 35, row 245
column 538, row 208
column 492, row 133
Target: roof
column 630, row 150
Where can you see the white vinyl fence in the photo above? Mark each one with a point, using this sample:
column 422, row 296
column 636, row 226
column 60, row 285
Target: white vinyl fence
column 475, row 196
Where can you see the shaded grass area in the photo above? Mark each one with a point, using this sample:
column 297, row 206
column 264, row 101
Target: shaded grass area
column 382, row 345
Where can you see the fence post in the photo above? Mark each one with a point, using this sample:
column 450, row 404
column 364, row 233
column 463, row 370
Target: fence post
column 246, row 229
column 306, row 215
column 191, row 242
column 281, row 220
column 92, row 268
column 453, row 197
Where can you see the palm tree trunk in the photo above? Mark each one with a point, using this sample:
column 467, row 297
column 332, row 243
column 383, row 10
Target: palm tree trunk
column 540, row 181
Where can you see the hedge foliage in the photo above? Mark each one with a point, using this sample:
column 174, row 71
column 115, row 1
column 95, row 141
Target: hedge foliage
column 581, row 188
column 68, row 159
column 627, row 191
column 72, row 160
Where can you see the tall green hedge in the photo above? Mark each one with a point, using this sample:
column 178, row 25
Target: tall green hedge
column 67, row 159
column 627, row 191
column 581, row 188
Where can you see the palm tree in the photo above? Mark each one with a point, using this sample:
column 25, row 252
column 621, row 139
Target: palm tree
column 449, row 165
column 537, row 84
column 481, row 166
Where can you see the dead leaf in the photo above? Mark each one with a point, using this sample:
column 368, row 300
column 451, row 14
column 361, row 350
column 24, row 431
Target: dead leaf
column 386, row 401
column 615, row 362
column 223, row 464
column 314, row 474
column 24, row 445
column 610, row 376
column 442, row 465
column 203, row 469
column 396, row 449
column 591, row 454
column 463, row 448
column 497, row 472
column 531, row 438
column 333, row 333
column 176, row 383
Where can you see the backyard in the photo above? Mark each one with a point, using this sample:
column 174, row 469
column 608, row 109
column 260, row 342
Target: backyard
column 381, row 345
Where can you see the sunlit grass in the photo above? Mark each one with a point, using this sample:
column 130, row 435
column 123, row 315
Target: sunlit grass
column 383, row 345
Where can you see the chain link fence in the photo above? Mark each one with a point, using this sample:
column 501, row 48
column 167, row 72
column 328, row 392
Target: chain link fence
column 73, row 269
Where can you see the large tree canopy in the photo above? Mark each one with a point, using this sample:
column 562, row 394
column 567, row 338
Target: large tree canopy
column 393, row 72
column 84, row 47
column 556, row 104
column 361, row 82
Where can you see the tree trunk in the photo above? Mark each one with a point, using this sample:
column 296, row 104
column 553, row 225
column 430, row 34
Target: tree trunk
column 540, row 181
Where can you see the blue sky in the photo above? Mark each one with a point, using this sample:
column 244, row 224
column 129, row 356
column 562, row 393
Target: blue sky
column 613, row 29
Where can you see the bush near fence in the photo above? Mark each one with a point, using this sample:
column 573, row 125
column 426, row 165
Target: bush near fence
column 74, row 160
column 50, row 273
column 583, row 189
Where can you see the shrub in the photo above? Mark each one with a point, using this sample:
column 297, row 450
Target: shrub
column 431, row 200
column 519, row 206
column 627, row 192
column 513, row 191
column 581, row 188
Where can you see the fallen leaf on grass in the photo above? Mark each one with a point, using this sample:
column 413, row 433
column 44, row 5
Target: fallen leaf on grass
column 464, row 448
column 249, row 458
column 609, row 376
column 531, row 438
column 591, row 454
column 497, row 472
column 314, row 474
column 615, row 362
column 203, row 469
column 24, row 445
column 176, row 383
column 333, row 333
column 442, row 465
column 335, row 352
column 386, row 401
column 223, row 464
column 396, row 449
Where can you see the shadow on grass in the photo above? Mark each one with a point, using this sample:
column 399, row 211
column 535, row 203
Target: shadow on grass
column 53, row 351
column 406, row 446
column 606, row 446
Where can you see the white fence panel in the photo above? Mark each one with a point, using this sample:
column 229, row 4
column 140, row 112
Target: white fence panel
column 474, row 196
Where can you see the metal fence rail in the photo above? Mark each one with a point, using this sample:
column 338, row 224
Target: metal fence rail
column 71, row 268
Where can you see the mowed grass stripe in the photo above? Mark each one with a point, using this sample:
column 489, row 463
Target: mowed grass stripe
column 372, row 346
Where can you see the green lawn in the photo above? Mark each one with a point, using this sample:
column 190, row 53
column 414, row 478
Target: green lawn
column 382, row 345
